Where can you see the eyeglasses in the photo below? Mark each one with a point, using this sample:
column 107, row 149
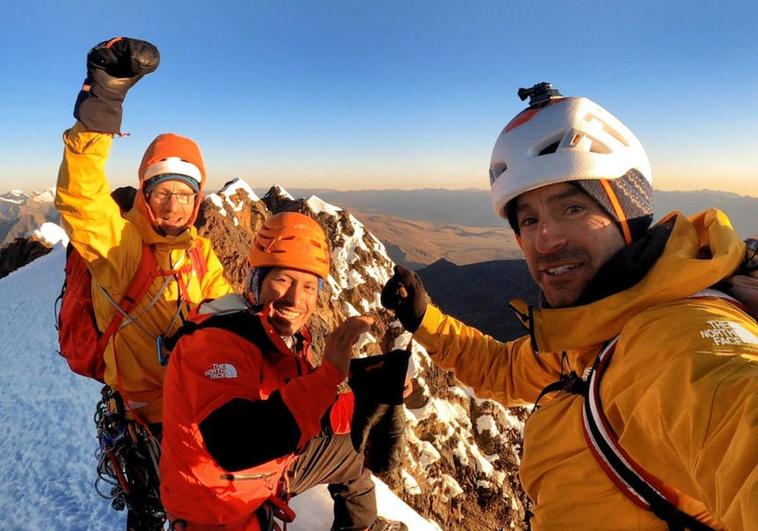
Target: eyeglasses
column 162, row 197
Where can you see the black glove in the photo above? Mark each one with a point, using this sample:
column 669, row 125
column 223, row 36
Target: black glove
column 113, row 67
column 404, row 293
column 378, row 425
column 380, row 379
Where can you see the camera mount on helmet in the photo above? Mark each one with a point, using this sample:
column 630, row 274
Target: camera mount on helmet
column 539, row 94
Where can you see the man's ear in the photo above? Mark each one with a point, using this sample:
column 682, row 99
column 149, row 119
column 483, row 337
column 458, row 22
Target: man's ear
column 250, row 298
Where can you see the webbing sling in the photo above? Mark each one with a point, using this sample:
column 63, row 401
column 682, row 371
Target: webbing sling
column 641, row 487
column 134, row 292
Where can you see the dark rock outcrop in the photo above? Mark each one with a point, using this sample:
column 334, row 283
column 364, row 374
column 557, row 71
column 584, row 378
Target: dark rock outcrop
column 479, row 294
column 18, row 253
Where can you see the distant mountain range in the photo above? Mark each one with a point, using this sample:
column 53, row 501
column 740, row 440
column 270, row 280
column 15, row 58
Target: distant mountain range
column 21, row 213
column 415, row 243
column 473, row 208
column 417, row 226
column 420, row 226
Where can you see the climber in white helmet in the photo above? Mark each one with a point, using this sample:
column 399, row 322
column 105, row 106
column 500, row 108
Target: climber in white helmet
column 644, row 370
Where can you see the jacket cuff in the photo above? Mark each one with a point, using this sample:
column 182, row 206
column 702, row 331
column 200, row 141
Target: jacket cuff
column 309, row 396
column 427, row 330
column 79, row 140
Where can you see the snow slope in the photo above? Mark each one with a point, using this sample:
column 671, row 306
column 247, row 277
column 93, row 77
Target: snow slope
column 47, row 440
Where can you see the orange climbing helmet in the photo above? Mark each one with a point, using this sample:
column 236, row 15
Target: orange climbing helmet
column 291, row 240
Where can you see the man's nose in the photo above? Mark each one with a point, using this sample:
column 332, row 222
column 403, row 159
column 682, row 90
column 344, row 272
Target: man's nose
column 293, row 294
column 550, row 237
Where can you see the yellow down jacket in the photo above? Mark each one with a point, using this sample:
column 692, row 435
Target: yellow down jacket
column 681, row 391
column 111, row 246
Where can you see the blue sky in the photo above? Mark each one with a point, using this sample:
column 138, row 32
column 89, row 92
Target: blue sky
column 354, row 95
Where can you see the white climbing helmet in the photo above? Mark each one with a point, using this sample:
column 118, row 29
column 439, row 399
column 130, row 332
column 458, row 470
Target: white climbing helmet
column 559, row 139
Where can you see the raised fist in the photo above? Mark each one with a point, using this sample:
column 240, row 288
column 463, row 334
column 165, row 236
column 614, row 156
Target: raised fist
column 404, row 293
column 113, row 67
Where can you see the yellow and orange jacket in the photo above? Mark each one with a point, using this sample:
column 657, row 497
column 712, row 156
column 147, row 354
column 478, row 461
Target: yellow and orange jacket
column 681, row 392
column 236, row 354
column 111, row 246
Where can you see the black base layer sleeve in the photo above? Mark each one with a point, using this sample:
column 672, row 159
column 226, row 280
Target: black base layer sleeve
column 244, row 433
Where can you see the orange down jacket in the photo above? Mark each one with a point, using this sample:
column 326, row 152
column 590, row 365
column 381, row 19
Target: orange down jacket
column 681, row 392
column 214, row 365
column 111, row 247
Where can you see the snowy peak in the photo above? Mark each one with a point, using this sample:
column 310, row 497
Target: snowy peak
column 238, row 186
column 11, row 203
column 19, row 197
column 317, row 206
column 49, row 234
column 233, row 197
column 279, row 190
column 46, row 196
column 14, row 196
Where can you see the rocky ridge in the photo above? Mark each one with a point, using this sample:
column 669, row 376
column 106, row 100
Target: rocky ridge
column 462, row 453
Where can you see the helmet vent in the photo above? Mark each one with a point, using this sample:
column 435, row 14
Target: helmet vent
column 615, row 134
column 547, row 145
column 497, row 169
column 607, row 129
column 599, row 147
column 552, row 148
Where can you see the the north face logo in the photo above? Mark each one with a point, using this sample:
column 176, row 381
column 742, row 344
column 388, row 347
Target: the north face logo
column 221, row 370
column 723, row 332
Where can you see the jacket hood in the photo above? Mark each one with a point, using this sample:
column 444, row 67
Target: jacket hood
column 701, row 251
column 164, row 146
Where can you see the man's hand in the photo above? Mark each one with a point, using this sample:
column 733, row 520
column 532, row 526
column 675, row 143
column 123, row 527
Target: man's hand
column 113, row 67
column 339, row 344
column 404, row 293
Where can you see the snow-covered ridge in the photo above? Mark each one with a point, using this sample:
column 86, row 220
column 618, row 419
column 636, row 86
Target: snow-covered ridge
column 19, row 197
column 317, row 206
column 233, row 196
column 12, row 201
column 46, row 196
column 49, row 234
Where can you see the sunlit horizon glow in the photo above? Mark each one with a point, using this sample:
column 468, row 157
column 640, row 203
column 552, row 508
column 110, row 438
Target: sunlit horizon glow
column 352, row 96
